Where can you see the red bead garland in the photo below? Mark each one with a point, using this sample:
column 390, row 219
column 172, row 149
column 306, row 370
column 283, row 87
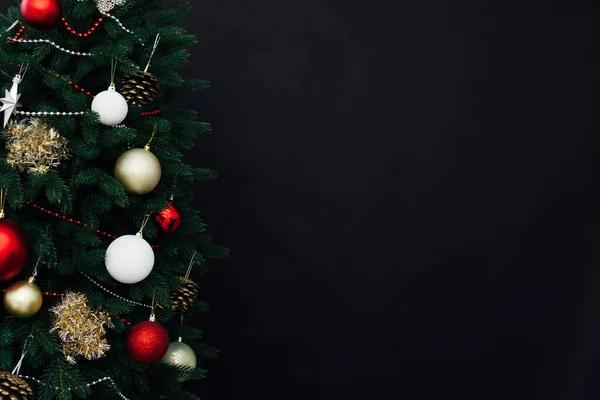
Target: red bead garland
column 75, row 221
column 89, row 31
column 147, row 113
column 54, row 294
column 19, row 32
column 70, row 82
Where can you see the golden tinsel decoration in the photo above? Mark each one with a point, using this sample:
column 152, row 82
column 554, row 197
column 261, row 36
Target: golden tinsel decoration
column 80, row 328
column 140, row 89
column 34, row 145
column 14, row 388
column 183, row 298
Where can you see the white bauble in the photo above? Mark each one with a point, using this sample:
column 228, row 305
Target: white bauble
column 129, row 259
column 111, row 106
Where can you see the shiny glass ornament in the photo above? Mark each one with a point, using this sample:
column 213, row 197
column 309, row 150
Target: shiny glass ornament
column 41, row 14
column 23, row 299
column 13, row 249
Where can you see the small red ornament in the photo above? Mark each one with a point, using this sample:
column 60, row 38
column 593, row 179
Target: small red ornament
column 148, row 342
column 41, row 14
column 169, row 219
column 13, row 249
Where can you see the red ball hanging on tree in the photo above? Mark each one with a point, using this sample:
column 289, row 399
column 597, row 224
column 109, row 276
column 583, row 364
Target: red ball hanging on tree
column 148, row 342
column 41, row 14
column 13, row 249
column 169, row 219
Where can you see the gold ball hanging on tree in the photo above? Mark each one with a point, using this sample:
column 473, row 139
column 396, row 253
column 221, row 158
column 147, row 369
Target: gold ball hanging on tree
column 14, row 388
column 23, row 299
column 34, row 145
column 183, row 298
column 139, row 89
column 138, row 170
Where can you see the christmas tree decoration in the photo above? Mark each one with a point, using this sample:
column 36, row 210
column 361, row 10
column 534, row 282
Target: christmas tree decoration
column 10, row 101
column 107, row 5
column 180, row 354
column 14, row 388
column 140, row 89
column 148, row 341
column 111, row 106
column 130, row 258
column 33, row 145
column 169, row 219
column 23, row 299
column 41, row 14
column 13, row 245
column 183, row 298
column 139, row 170
column 81, row 329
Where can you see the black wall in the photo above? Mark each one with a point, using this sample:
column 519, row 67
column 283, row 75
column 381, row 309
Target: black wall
column 409, row 190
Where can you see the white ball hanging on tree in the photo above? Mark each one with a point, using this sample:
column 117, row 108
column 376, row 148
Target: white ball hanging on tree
column 129, row 259
column 111, row 106
column 138, row 170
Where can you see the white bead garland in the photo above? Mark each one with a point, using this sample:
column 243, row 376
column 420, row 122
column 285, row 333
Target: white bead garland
column 41, row 113
column 123, row 26
column 50, row 42
column 116, row 295
column 12, row 26
column 106, row 378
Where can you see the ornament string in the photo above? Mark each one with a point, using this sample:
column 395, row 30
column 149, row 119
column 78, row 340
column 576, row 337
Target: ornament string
column 144, row 223
column 154, row 305
column 105, row 379
column 156, row 41
column 17, row 368
column 147, row 146
column 189, row 270
column 3, row 194
column 113, row 71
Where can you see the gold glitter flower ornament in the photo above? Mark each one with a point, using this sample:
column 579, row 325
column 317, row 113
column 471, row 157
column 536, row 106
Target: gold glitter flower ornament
column 80, row 328
column 34, row 145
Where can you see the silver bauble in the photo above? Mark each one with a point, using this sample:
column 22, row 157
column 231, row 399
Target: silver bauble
column 138, row 170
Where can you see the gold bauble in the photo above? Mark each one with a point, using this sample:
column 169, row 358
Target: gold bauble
column 138, row 170
column 14, row 388
column 23, row 299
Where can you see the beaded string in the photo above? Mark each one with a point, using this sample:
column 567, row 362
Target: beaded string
column 50, row 42
column 75, row 221
column 123, row 26
column 114, row 294
column 105, row 379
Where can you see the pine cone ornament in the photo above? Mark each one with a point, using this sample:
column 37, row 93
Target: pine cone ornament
column 140, row 89
column 183, row 298
column 14, row 388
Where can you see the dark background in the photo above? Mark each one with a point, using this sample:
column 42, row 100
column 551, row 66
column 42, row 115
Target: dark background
column 409, row 192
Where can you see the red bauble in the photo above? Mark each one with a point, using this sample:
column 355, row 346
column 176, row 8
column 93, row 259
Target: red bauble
column 41, row 14
column 13, row 249
column 169, row 219
column 148, row 342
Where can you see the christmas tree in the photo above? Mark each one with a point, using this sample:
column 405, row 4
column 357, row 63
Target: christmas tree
column 99, row 243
